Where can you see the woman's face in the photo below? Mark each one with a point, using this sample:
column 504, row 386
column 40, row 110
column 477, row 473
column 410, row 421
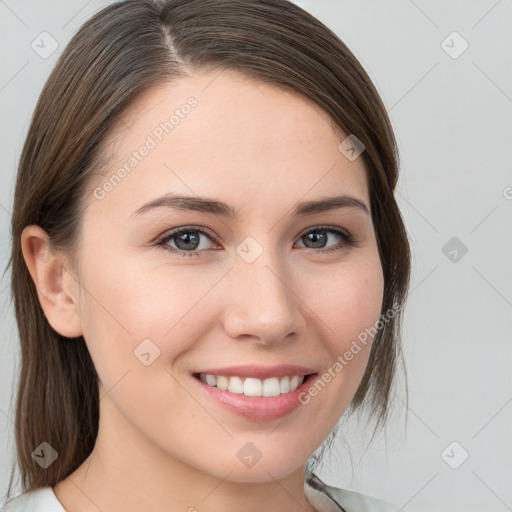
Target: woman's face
column 263, row 287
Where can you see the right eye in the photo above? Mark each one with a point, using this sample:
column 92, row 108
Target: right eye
column 187, row 241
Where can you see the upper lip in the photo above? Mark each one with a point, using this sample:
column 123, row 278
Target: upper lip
column 259, row 372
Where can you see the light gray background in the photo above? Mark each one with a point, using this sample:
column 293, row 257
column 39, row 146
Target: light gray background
column 452, row 118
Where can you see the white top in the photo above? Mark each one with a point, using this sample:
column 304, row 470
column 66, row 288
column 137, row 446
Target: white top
column 45, row 500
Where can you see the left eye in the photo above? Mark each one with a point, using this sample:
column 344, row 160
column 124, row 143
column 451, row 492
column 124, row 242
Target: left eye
column 318, row 236
column 187, row 241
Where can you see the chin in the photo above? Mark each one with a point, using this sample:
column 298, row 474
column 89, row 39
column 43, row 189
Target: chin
column 251, row 466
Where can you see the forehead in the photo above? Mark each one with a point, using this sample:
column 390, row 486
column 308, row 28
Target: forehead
column 226, row 135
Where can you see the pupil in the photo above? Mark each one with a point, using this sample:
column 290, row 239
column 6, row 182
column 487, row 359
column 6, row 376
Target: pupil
column 318, row 240
column 187, row 238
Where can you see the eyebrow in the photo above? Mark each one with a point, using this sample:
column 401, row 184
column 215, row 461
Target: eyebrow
column 215, row 207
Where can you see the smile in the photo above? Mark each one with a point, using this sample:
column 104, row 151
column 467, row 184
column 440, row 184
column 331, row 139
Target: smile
column 252, row 386
column 255, row 392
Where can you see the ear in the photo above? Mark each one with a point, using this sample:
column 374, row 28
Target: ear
column 56, row 287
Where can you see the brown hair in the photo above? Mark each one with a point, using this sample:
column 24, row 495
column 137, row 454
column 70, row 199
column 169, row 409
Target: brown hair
column 122, row 51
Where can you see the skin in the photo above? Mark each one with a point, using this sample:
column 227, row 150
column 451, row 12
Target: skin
column 163, row 445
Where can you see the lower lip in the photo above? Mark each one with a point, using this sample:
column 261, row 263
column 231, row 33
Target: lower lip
column 257, row 408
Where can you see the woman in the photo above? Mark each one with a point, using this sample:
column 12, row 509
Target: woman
column 208, row 263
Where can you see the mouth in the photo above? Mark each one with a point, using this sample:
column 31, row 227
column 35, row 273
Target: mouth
column 256, row 393
column 254, row 386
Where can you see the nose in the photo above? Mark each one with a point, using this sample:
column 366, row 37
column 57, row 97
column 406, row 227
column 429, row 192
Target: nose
column 262, row 302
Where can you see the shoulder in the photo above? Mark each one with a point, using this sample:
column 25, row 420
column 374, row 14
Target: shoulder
column 354, row 501
column 39, row 500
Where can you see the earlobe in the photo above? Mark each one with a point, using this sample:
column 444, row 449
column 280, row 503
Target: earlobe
column 56, row 287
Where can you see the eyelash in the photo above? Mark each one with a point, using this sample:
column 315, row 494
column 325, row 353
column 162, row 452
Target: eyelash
column 348, row 240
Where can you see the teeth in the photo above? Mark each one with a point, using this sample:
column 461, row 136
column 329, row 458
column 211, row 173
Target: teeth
column 211, row 380
column 236, row 385
column 222, row 382
column 251, row 386
column 271, row 387
column 285, row 384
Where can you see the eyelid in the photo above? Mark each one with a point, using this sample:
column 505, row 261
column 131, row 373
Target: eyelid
column 201, row 229
column 327, row 227
column 347, row 236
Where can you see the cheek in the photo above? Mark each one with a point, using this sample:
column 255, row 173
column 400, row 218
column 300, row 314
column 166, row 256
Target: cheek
column 348, row 301
column 133, row 316
column 348, row 308
column 136, row 306
column 127, row 316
